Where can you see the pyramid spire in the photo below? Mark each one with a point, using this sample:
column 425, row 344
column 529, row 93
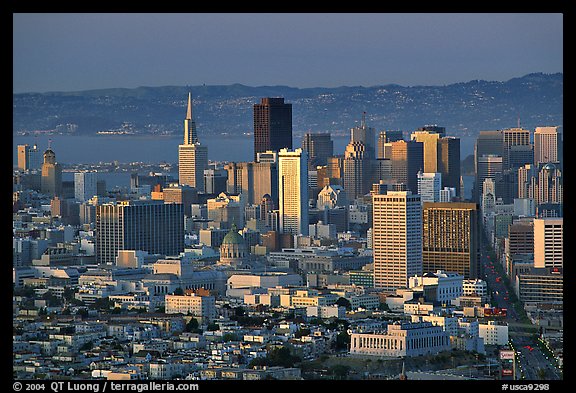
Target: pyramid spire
column 190, row 136
column 189, row 110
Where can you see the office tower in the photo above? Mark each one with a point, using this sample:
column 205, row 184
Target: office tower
column 51, row 181
column 515, row 141
column 367, row 136
column 335, row 170
column 215, row 180
column 527, row 181
column 268, row 156
column 488, row 166
column 293, row 191
column 190, row 136
column 429, row 185
column 546, row 145
column 488, row 142
column 488, row 197
column 319, row 147
column 430, row 148
column 185, row 195
column 192, row 155
column 407, row 159
column 272, row 125
column 85, row 185
column 357, row 173
column 450, row 238
column 449, row 162
column 266, row 205
column 253, row 180
column 447, row 194
column 433, row 128
column 548, row 242
column 29, row 158
column 387, row 137
column 151, row 226
column 396, row 239
column 521, row 237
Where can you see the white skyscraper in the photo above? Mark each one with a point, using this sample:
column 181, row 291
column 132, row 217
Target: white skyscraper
column 429, row 185
column 396, row 239
column 293, row 191
column 447, row 193
column 546, row 144
column 548, row 243
column 85, row 185
column 192, row 156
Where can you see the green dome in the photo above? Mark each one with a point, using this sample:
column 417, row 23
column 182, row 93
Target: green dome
column 233, row 237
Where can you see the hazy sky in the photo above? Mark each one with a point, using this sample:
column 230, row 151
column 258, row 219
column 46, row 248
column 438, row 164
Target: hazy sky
column 65, row 52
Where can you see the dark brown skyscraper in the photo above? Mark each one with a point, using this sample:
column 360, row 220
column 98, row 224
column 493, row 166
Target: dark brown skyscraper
column 272, row 125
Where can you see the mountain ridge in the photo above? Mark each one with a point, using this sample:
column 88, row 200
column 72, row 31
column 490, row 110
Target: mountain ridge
column 464, row 108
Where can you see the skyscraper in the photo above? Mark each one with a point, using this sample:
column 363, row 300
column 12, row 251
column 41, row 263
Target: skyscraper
column 272, row 125
column 396, row 238
column 515, row 142
column 151, row 226
column 489, row 166
column 548, row 242
column 319, row 147
column 488, row 142
column 429, row 186
column 85, row 185
column 546, row 145
column 450, row 238
column 192, row 156
column 51, row 181
column 430, row 148
column 357, row 171
column 365, row 135
column 293, row 191
column 387, row 137
column 407, row 159
column 29, row 157
column 449, row 162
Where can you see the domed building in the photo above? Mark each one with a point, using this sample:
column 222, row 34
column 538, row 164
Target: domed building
column 233, row 250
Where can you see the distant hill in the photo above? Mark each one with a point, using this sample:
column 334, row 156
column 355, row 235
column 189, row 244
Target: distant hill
column 463, row 108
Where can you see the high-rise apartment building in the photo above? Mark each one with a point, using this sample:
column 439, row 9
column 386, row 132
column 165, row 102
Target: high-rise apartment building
column 319, row 147
column 450, row 238
column 293, row 191
column 192, row 155
column 548, row 242
column 396, row 238
column 272, row 125
column 151, row 226
column 85, row 185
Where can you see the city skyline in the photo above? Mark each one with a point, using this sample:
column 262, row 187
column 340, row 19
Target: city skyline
column 70, row 52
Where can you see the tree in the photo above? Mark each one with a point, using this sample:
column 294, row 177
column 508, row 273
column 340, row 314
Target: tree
column 340, row 371
column 212, row 327
column 344, row 302
column 302, row 332
column 342, row 340
column 179, row 291
column 192, row 326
